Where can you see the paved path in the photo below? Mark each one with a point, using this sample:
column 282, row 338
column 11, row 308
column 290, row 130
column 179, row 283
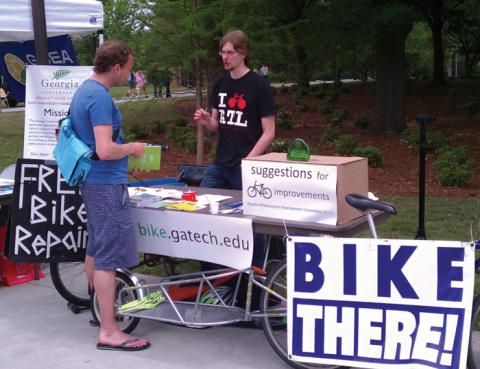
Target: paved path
column 37, row 330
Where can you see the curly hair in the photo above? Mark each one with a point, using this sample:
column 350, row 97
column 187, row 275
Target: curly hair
column 109, row 54
column 239, row 40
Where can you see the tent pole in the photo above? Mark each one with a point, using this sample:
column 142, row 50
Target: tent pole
column 40, row 31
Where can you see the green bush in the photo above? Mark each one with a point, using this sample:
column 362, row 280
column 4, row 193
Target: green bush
column 326, row 107
column 284, row 120
column 345, row 144
column 342, row 114
column 158, row 127
column 330, row 134
column 361, row 122
column 434, row 140
column 333, row 121
column 280, row 145
column 180, row 122
column 410, row 137
column 303, row 106
column 373, row 154
column 190, row 142
column 177, row 134
column 320, row 94
column 137, row 132
column 453, row 166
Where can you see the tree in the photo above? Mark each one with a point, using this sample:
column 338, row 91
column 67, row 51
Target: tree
column 463, row 30
column 295, row 20
column 436, row 13
column 394, row 21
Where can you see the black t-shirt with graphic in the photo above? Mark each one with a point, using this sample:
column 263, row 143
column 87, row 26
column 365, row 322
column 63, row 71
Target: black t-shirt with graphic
column 241, row 105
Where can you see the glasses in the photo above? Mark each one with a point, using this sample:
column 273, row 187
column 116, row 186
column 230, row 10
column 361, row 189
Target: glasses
column 226, row 52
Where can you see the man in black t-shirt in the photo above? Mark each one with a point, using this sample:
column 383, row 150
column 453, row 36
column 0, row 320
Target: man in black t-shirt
column 243, row 112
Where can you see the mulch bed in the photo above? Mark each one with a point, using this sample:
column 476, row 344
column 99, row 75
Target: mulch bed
column 398, row 175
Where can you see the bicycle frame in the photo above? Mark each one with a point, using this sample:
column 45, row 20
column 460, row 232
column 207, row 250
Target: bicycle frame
column 191, row 313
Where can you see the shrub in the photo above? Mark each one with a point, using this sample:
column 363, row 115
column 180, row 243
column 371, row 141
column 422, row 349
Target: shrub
column 326, row 107
column 373, row 154
column 303, row 106
column 330, row 134
column 434, row 140
column 284, row 120
column 177, row 134
column 320, row 94
column 345, row 144
column 342, row 114
column 453, row 166
column 333, row 121
column 137, row 132
column 280, row 145
column 361, row 122
column 285, row 123
column 158, row 127
column 410, row 137
column 190, row 142
column 180, row 122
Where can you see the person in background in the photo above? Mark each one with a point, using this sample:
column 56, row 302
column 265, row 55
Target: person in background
column 141, row 83
column 111, row 240
column 264, row 72
column 243, row 113
column 131, row 84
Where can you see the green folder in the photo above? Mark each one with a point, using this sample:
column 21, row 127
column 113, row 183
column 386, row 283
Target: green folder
column 149, row 161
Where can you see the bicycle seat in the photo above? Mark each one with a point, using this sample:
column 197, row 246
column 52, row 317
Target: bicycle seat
column 364, row 203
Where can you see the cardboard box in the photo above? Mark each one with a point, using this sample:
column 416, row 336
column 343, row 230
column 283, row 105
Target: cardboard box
column 310, row 191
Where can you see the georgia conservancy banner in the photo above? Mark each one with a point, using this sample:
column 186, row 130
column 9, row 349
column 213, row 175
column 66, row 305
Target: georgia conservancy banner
column 49, row 92
column 379, row 303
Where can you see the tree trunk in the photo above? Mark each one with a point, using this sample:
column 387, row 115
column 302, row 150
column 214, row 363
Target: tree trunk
column 303, row 74
column 197, row 70
column 390, row 83
column 199, row 104
column 436, row 26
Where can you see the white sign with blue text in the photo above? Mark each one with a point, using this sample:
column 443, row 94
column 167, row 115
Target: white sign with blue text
column 379, row 303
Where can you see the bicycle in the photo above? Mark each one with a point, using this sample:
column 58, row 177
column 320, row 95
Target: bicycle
column 259, row 189
column 229, row 308
column 70, row 279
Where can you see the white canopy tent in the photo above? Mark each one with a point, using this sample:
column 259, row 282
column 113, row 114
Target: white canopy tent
column 73, row 17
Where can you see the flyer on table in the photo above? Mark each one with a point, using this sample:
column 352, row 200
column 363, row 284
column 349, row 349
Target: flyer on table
column 379, row 303
column 49, row 90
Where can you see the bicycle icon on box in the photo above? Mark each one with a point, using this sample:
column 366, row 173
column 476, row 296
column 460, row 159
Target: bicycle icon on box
column 259, row 189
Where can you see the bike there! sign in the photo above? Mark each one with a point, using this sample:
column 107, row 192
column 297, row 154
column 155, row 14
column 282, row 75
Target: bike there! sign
column 379, row 303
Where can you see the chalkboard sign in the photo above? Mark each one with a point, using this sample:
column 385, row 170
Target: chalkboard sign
column 48, row 218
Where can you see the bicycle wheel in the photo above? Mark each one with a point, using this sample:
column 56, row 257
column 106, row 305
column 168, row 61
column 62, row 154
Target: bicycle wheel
column 126, row 323
column 71, row 282
column 275, row 322
column 473, row 359
column 267, row 193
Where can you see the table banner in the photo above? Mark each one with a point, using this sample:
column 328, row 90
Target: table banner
column 48, row 218
column 379, row 303
column 217, row 239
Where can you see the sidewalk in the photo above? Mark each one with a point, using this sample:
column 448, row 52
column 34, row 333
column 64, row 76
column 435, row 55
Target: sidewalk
column 37, row 330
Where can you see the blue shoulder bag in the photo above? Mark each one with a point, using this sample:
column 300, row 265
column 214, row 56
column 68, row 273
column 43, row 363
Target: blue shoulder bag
column 74, row 157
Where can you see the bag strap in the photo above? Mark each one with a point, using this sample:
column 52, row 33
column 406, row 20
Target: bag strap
column 95, row 155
